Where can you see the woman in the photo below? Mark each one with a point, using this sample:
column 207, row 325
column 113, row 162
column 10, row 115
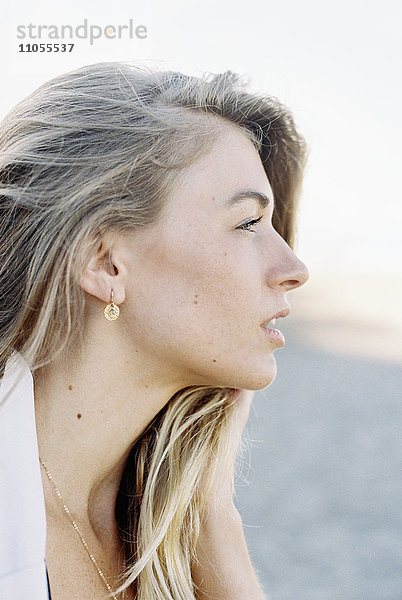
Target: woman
column 171, row 200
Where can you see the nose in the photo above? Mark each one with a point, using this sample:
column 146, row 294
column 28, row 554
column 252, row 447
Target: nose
column 289, row 272
column 299, row 275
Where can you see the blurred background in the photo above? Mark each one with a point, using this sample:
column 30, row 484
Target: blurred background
column 322, row 504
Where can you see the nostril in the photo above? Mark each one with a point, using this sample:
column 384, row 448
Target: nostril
column 290, row 284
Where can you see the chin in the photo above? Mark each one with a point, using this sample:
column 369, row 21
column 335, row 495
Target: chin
column 262, row 374
column 259, row 383
column 255, row 377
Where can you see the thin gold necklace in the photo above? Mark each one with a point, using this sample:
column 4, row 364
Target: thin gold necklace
column 74, row 524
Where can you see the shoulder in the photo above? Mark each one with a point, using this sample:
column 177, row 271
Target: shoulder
column 22, row 507
column 16, row 385
column 29, row 582
column 17, row 409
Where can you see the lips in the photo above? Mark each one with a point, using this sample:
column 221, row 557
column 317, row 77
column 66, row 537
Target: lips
column 283, row 313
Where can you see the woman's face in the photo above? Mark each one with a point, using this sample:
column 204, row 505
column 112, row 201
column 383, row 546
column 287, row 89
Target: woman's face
column 201, row 282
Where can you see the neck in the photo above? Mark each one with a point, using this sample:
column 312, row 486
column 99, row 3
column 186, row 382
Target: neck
column 89, row 412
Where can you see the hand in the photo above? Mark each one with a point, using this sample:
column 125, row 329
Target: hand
column 222, row 567
column 220, row 496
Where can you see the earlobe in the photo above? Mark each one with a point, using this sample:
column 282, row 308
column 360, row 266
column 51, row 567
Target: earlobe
column 94, row 282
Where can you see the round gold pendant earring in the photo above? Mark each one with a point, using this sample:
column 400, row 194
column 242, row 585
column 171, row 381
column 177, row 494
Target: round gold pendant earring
column 111, row 311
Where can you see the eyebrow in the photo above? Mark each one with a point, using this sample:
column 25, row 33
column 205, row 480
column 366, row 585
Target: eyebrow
column 243, row 195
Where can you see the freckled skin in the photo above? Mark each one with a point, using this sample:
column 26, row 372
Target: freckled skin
column 198, row 285
column 195, row 251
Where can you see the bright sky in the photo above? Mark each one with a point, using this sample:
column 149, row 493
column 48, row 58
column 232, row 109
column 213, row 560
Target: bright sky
column 336, row 65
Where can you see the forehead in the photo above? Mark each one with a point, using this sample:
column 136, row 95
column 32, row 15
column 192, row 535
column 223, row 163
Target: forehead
column 232, row 166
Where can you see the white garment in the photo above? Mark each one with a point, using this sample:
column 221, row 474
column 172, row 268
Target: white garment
column 22, row 503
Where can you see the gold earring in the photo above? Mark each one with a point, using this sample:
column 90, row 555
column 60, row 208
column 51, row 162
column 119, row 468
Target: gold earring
column 111, row 311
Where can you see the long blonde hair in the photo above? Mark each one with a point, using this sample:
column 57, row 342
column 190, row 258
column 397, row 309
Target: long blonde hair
column 98, row 149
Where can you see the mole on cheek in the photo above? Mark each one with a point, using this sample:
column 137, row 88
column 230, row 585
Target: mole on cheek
column 196, row 299
column 213, row 360
column 70, row 387
column 79, row 416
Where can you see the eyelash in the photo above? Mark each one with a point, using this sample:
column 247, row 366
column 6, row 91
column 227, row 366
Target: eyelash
column 244, row 226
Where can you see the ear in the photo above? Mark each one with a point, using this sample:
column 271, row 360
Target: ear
column 105, row 272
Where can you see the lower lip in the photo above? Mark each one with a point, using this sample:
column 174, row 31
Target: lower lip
column 276, row 336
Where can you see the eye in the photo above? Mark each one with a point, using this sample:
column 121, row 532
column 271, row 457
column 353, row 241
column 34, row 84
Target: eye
column 245, row 226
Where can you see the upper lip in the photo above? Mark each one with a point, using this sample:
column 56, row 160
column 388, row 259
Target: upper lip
column 283, row 313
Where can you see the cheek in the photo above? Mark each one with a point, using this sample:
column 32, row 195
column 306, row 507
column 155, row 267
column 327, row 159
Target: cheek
column 219, row 289
column 188, row 274
column 198, row 281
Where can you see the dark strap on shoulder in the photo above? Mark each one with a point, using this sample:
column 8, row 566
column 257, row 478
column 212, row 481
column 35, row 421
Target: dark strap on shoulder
column 48, row 585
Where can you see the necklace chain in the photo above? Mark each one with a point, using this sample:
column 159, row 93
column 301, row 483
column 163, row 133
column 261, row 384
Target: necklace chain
column 77, row 529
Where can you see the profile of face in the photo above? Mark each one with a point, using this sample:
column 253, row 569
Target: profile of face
column 202, row 280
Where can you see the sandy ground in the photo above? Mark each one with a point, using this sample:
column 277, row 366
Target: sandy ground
column 322, row 509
